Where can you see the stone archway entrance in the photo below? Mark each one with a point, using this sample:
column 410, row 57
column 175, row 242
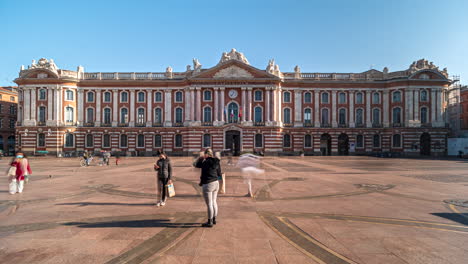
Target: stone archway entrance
column 425, row 143
column 232, row 141
column 343, row 144
column 325, row 144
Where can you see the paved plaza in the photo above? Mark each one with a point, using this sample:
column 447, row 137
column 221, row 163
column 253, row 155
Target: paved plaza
column 305, row 210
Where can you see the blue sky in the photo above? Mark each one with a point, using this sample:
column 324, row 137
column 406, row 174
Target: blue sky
column 319, row 36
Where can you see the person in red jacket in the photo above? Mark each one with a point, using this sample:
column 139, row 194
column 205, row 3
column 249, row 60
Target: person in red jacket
column 22, row 166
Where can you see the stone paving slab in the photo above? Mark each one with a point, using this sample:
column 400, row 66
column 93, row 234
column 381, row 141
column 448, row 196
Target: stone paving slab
column 305, row 210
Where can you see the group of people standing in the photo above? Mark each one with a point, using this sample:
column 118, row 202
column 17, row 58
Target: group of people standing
column 210, row 166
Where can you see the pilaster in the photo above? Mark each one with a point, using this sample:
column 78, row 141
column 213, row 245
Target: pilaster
column 334, row 122
column 368, row 109
column 351, row 109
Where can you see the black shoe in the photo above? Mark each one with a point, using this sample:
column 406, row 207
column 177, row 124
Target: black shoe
column 208, row 224
column 214, row 220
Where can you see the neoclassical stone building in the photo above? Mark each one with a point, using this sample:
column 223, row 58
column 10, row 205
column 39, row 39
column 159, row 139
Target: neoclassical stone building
column 233, row 105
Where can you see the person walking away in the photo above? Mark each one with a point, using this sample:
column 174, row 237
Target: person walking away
column 210, row 170
column 117, row 159
column 249, row 165
column 22, row 167
column 164, row 172
column 106, row 157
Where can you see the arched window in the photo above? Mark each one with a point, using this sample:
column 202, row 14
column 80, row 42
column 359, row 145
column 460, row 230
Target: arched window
column 141, row 141
column 287, row 115
column 359, row 98
column 258, row 140
column 107, row 97
column 158, row 97
column 207, row 114
column 258, row 96
column 359, row 141
column 157, row 141
column 178, row 97
column 89, row 140
column 89, row 115
column 342, row 98
column 69, row 116
column 396, row 141
column 178, row 115
column 325, row 119
column 376, row 141
column 424, row 96
column 69, row 95
column 307, row 141
column 40, row 140
column 42, row 94
column 178, row 141
column 396, row 115
column 123, row 141
column 106, row 141
column 396, row 98
column 308, row 116
column 141, row 116
column 141, row 97
column 233, row 113
column 123, row 115
column 206, row 140
column 158, row 115
column 342, row 116
column 307, row 97
column 90, row 97
column 207, row 95
column 424, row 119
column 324, row 98
column 258, row 114
column 107, row 116
column 286, row 97
column 286, row 141
column 376, row 116
column 69, row 140
column 42, row 114
column 123, row 97
column 376, row 98
column 359, row 116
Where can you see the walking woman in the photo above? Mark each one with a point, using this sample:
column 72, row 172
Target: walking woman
column 210, row 170
column 22, row 168
column 164, row 172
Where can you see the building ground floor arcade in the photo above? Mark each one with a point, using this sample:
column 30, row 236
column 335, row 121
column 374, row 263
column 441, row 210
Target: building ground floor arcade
column 147, row 141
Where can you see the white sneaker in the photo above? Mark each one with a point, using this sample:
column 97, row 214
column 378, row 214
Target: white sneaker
column 158, row 204
column 163, row 203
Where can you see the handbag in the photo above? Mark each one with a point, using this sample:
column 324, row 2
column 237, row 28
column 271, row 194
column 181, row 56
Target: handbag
column 170, row 190
column 222, row 183
column 11, row 173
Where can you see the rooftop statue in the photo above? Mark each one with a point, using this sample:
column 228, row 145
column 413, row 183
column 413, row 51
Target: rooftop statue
column 233, row 55
column 44, row 64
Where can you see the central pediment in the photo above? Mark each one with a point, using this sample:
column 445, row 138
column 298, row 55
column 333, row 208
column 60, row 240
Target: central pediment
column 232, row 72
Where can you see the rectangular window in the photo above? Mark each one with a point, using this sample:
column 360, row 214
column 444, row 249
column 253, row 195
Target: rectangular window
column 12, row 123
column 359, row 141
column 178, row 141
column 258, row 140
column 41, row 140
column 106, row 141
column 157, row 141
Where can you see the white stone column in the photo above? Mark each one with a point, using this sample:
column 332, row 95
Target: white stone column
column 317, row 108
column 433, row 106
column 351, row 109
column 192, row 104
column 408, row 107
column 216, row 105
column 149, row 108
column 244, row 103
column 199, row 106
column 440, row 108
column 61, row 117
column 249, row 105
column 132, row 108
column 334, row 122
column 98, row 107
column 385, row 110
column 222, row 105
column 50, row 110
column 267, row 105
column 27, row 105
column 188, row 103
column 56, row 106
column 417, row 121
column 167, row 108
column 279, row 102
column 115, row 109
column 298, row 108
column 79, row 105
column 33, row 106
column 368, row 109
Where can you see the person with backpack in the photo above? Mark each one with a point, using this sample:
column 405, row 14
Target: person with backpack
column 210, row 171
column 164, row 173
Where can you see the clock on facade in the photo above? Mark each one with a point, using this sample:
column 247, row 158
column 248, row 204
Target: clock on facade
column 232, row 94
